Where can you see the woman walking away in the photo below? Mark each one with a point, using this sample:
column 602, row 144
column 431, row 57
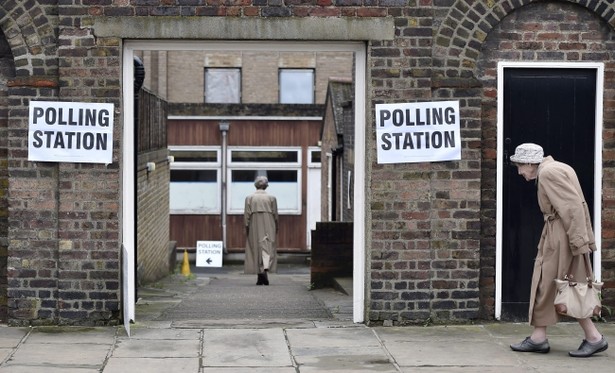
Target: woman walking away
column 261, row 223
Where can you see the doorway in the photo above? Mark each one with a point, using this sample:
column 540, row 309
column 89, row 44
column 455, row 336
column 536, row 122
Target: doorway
column 558, row 107
column 128, row 174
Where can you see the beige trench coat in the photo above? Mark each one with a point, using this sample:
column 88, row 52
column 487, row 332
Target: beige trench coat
column 567, row 233
column 261, row 223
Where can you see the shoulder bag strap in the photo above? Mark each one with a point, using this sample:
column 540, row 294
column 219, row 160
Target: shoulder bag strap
column 588, row 269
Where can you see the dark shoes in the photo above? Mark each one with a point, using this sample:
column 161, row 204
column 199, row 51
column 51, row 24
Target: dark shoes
column 527, row 345
column 587, row 349
column 262, row 279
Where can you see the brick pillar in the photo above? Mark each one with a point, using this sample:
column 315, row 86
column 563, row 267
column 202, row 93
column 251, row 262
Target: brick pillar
column 33, row 214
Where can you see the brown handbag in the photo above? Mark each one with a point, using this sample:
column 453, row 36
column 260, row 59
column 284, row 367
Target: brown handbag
column 580, row 300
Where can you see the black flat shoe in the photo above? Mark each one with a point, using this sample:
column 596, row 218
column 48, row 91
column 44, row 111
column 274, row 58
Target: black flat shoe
column 259, row 279
column 587, row 349
column 265, row 279
column 527, row 345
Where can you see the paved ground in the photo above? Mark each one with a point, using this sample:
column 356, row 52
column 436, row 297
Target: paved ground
column 213, row 296
column 174, row 332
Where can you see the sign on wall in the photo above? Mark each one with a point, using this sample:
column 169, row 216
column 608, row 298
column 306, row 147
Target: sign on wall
column 209, row 253
column 76, row 132
column 418, row 132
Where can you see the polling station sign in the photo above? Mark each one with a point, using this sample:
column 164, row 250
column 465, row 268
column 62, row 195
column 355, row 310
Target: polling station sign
column 418, row 132
column 78, row 132
column 209, row 253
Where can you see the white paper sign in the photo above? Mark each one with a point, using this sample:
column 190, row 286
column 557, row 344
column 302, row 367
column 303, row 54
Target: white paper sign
column 76, row 132
column 418, row 132
column 209, row 253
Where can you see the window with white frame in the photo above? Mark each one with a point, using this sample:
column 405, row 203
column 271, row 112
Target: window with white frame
column 222, row 85
column 281, row 166
column 296, row 86
column 195, row 180
column 314, row 157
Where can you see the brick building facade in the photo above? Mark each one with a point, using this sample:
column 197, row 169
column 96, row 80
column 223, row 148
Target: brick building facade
column 429, row 242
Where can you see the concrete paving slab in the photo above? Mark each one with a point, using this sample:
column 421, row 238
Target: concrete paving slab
column 559, row 331
column 5, row 353
column 151, row 333
column 148, row 324
column 249, row 370
column 151, row 348
column 444, row 353
column 243, row 323
column 10, row 337
column 511, row 331
column 338, row 303
column 84, row 355
column 152, row 365
column 444, row 346
column 471, row 369
column 351, row 359
column 345, row 349
column 594, row 364
column 485, row 348
column 45, row 369
column 334, row 338
column 72, row 335
column 333, row 324
column 444, row 332
column 246, row 347
column 339, row 369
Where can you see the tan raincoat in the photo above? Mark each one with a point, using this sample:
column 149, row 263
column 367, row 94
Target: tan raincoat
column 261, row 223
column 567, row 233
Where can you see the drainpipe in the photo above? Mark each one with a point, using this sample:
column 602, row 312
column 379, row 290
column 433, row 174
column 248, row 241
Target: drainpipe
column 224, row 128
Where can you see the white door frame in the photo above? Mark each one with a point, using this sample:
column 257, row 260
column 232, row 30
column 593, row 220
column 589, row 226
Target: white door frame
column 314, row 200
column 128, row 171
column 128, row 228
column 599, row 67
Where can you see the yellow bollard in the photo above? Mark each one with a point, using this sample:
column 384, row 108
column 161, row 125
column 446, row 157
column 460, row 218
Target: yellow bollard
column 185, row 264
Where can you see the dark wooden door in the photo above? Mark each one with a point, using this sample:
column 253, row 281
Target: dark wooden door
column 554, row 108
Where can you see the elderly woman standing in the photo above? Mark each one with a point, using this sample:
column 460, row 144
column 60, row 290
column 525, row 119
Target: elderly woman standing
column 566, row 235
column 261, row 223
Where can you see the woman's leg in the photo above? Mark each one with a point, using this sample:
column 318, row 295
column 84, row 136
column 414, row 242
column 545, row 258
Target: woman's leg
column 592, row 334
column 594, row 341
column 537, row 342
column 539, row 334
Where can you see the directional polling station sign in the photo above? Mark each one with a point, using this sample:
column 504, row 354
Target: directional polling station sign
column 209, row 253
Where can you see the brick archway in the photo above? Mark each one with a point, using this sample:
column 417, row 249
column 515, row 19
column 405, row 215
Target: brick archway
column 500, row 45
column 465, row 29
column 32, row 37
